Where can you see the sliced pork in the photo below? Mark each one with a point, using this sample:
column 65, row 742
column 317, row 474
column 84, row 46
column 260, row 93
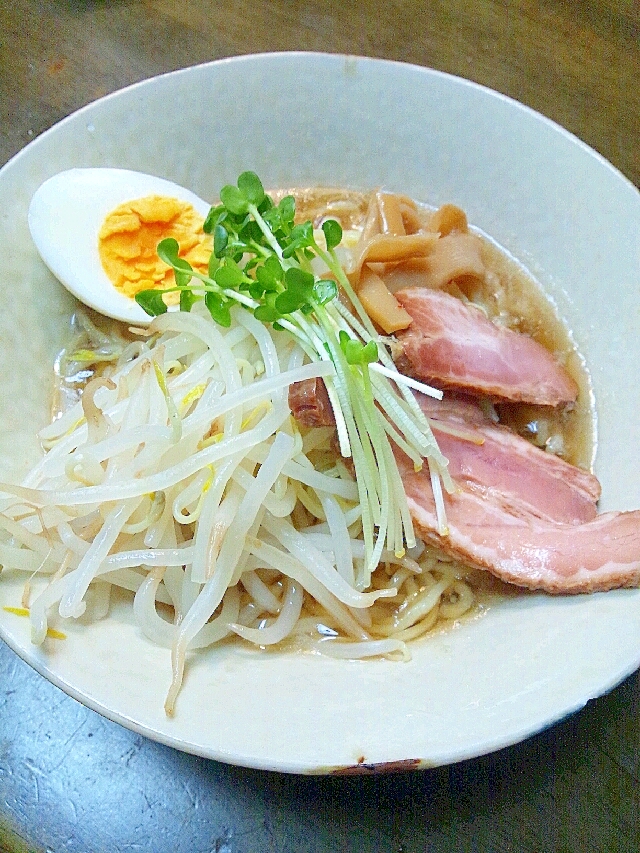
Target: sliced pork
column 530, row 552
column 519, row 512
column 454, row 345
column 310, row 404
column 500, row 466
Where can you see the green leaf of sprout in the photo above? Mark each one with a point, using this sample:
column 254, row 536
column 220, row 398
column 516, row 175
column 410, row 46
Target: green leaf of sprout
column 182, row 270
column 214, row 263
column 289, row 301
column 187, row 299
column 270, row 274
column 299, row 281
column 251, row 264
column 266, row 204
column 218, row 307
column 266, row 314
column 356, row 352
column 251, row 233
column 370, row 352
column 152, row 302
column 332, row 233
column 251, row 188
column 287, row 209
column 214, row 217
column 229, row 275
column 273, row 219
column 234, row 200
column 324, row 290
column 256, row 290
column 168, row 252
column 300, row 238
column 220, row 240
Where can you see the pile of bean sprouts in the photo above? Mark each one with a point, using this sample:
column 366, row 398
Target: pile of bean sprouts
column 181, row 476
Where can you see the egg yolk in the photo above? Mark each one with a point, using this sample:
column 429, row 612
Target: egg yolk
column 129, row 237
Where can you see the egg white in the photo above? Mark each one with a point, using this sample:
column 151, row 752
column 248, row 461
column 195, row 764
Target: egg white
column 65, row 217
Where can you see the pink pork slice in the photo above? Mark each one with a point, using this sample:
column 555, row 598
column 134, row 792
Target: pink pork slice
column 519, row 512
column 595, row 556
column 310, row 404
column 501, row 467
column 455, row 346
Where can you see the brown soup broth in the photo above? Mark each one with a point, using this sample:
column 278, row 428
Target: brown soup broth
column 514, row 298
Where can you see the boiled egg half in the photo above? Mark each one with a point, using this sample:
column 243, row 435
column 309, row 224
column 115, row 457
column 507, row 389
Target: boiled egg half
column 97, row 230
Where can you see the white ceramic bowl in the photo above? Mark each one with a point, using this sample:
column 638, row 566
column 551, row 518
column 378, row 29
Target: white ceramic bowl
column 328, row 119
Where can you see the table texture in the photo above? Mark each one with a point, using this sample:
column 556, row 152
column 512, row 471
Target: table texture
column 71, row 781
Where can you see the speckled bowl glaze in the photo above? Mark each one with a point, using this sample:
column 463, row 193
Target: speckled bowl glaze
column 551, row 201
